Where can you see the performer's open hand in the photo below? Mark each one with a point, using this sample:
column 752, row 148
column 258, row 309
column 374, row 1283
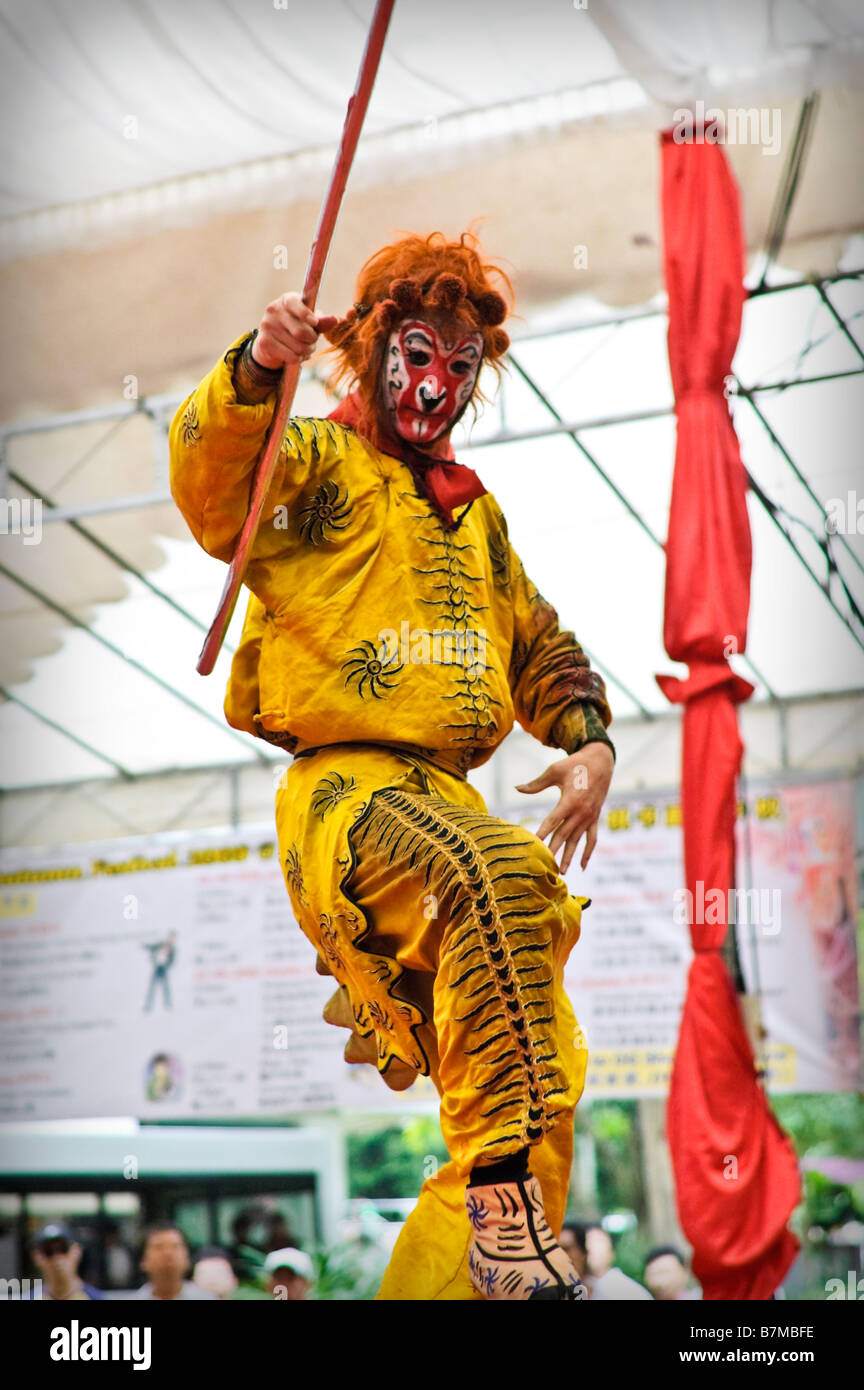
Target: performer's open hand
column 584, row 780
column 288, row 332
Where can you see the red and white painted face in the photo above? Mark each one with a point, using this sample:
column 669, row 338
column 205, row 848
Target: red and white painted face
column 427, row 380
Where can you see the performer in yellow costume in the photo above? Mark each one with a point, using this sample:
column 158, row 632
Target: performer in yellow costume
column 391, row 637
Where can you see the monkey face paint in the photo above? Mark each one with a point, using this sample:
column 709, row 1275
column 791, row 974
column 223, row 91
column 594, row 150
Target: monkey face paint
column 428, row 381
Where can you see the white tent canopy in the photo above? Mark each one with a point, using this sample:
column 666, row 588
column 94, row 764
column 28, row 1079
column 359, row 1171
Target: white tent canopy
column 155, row 158
column 114, row 95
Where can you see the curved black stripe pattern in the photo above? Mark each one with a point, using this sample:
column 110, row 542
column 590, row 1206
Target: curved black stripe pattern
column 482, row 878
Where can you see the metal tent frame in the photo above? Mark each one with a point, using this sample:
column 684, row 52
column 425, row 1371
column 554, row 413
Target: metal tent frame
column 159, row 409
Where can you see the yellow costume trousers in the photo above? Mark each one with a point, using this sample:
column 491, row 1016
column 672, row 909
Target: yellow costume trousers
column 448, row 930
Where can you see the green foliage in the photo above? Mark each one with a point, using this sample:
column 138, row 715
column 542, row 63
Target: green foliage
column 631, row 1248
column 828, row 1203
column 823, row 1124
column 394, row 1162
column 347, row 1272
column 615, row 1127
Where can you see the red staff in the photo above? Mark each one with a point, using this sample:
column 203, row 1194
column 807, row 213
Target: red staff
column 315, row 269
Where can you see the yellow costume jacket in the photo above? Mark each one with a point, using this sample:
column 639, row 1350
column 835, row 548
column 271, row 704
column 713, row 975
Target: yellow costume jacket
column 368, row 621
column 379, row 647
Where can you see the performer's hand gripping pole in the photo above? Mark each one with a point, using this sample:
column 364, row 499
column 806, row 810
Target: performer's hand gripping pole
column 291, row 374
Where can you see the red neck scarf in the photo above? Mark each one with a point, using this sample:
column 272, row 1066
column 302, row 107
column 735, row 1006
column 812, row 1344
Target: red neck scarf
column 444, row 482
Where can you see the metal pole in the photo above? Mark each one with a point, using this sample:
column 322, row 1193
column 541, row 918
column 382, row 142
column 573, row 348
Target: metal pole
column 138, row 666
column 772, row 511
column 116, row 558
column 67, row 733
column 798, row 474
column 264, row 471
column 572, row 432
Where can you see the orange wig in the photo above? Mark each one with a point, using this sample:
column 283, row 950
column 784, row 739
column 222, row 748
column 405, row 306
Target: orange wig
column 444, row 282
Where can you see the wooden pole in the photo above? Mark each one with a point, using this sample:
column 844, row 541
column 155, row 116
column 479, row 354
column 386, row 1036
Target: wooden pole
column 315, row 269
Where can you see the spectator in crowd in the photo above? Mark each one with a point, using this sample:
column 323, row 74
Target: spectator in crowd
column 279, row 1236
column 248, row 1244
column 666, row 1275
column 573, row 1243
column 606, row 1279
column 165, row 1259
column 212, row 1271
column 57, row 1255
column 290, row 1272
column 119, row 1261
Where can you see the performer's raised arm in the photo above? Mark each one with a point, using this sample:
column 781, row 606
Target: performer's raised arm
column 218, row 432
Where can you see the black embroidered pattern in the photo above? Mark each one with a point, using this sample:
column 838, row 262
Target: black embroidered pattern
column 496, row 961
column 518, row 659
column 371, row 983
column 368, row 672
column 304, row 431
column 325, row 512
column 454, row 569
column 294, row 875
column 328, row 940
column 499, row 556
column 533, row 594
column 329, row 792
column 190, row 424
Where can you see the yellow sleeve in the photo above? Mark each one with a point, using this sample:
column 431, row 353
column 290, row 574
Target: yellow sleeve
column 556, row 695
column 215, row 443
column 241, row 694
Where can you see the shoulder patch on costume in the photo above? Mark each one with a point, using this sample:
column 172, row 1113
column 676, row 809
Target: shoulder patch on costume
column 315, row 432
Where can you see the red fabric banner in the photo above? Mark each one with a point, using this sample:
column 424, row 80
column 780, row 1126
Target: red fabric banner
column 736, row 1172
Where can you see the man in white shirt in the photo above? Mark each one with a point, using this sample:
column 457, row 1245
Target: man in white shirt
column 165, row 1259
column 607, row 1280
column 572, row 1242
column 667, row 1277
